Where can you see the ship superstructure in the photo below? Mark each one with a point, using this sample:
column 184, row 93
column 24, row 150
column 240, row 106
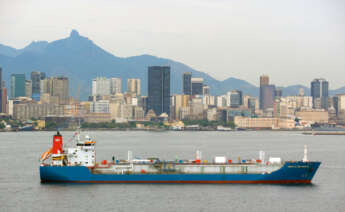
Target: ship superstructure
column 78, row 164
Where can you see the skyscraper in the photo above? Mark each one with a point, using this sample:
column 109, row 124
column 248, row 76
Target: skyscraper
column 56, row 87
column 264, row 80
column 159, row 89
column 187, row 83
column 36, row 78
column 197, row 84
column 115, row 85
column 28, row 88
column 319, row 92
column 1, row 92
column 206, row 90
column 60, row 88
column 267, row 96
column 133, row 86
column 236, row 99
column 17, row 85
column 101, row 86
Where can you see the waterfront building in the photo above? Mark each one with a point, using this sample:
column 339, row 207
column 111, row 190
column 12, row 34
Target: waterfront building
column 36, row 78
column 319, row 92
column 212, row 114
column 28, row 109
column 101, row 86
column 187, row 83
column 236, row 98
column 115, row 85
column 17, row 85
column 264, row 123
column 313, row 116
column 133, row 86
column 159, row 89
column 197, row 85
column 28, row 88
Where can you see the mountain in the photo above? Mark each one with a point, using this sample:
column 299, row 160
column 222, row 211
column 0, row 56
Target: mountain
column 81, row 60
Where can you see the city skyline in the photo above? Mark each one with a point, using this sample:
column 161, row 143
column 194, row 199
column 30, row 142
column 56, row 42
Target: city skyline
column 285, row 51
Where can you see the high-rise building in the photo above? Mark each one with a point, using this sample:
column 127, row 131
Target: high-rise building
column 159, row 89
column 267, row 96
column 60, row 89
column 319, row 92
column 3, row 106
column 264, row 80
column 206, row 90
column 56, row 87
column 28, row 88
column 133, row 86
column 197, row 85
column 187, row 83
column 115, row 85
column 36, row 78
column 278, row 93
column 17, row 85
column 236, row 99
column 101, row 86
column 3, row 95
column 252, row 105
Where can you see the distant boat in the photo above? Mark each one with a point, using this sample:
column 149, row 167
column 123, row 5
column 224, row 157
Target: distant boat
column 26, row 128
column 221, row 128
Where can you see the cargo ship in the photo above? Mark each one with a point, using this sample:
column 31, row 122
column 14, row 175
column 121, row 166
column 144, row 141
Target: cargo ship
column 77, row 164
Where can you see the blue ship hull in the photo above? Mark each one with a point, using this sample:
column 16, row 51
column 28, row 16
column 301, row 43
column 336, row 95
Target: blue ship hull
column 290, row 173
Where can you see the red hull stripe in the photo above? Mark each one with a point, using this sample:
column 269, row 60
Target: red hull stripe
column 198, row 182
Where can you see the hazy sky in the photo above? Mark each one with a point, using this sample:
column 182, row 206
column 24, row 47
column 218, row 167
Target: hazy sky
column 293, row 41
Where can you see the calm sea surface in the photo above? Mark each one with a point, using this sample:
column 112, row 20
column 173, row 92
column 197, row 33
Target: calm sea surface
column 21, row 190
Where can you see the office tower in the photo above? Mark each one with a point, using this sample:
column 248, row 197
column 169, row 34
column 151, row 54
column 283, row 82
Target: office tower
column 60, row 87
column 28, row 88
column 205, row 90
column 187, row 83
column 3, row 95
column 319, row 93
column 101, row 86
column 197, row 84
column 56, row 87
column 17, row 85
column 264, row 80
column 159, row 89
column 3, row 106
column 115, row 85
column 1, row 84
column 133, row 86
column 36, row 78
column 278, row 93
column 252, row 105
column 267, row 96
column 235, row 99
